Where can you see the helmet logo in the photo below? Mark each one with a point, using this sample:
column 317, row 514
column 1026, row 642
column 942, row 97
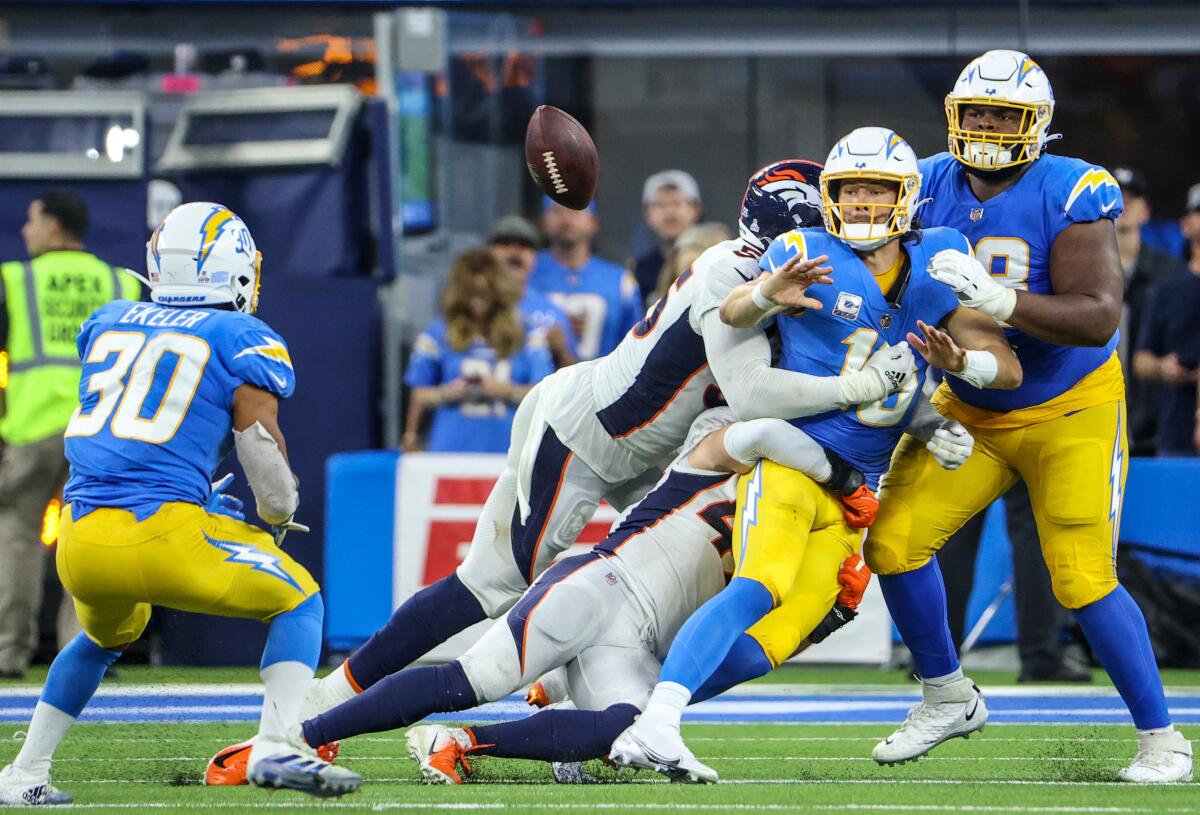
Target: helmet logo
column 860, row 165
column 210, row 230
column 990, row 91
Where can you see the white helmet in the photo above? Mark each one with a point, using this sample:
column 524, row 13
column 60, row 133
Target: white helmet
column 1002, row 79
column 873, row 154
column 203, row 255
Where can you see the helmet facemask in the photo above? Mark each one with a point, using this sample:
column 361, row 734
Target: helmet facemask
column 886, row 221
column 246, row 288
column 991, row 150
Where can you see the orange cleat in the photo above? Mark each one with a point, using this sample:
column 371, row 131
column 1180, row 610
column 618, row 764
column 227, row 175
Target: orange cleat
column 228, row 767
column 440, row 751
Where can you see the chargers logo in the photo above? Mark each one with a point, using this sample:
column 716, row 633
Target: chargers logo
column 1092, row 180
column 257, row 560
column 271, row 349
column 210, row 230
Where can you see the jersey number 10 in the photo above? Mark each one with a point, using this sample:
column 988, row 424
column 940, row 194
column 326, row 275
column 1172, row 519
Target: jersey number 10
column 124, row 402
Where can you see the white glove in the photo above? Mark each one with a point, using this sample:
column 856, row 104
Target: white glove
column 894, row 362
column 951, row 445
column 972, row 283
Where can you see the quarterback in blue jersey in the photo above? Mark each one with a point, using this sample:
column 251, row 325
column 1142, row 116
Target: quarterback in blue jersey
column 874, row 301
column 167, row 389
column 1045, row 263
column 600, row 297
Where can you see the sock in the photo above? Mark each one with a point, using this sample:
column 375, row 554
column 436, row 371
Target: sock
column 707, row 637
column 395, row 701
column 917, row 602
column 746, row 660
column 942, row 681
column 289, row 658
column 70, row 684
column 427, row 619
column 556, row 735
column 1116, row 630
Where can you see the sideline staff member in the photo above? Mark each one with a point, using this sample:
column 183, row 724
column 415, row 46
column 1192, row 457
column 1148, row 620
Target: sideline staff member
column 44, row 302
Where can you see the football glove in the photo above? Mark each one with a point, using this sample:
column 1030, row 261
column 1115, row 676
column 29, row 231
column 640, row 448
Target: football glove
column 219, row 503
column 894, row 363
column 973, row 284
column 951, row 445
column 853, row 577
column 859, row 504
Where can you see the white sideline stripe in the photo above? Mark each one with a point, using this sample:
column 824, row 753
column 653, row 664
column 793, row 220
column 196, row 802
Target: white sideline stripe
column 752, row 689
column 151, row 710
column 775, row 782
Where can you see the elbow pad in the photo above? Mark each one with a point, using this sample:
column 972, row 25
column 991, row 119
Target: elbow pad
column 271, row 480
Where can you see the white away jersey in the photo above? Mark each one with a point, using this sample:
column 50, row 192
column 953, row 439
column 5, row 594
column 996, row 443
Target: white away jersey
column 631, row 410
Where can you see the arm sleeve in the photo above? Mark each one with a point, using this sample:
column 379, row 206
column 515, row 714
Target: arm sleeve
column 740, row 359
column 258, row 356
column 778, row 441
column 424, row 366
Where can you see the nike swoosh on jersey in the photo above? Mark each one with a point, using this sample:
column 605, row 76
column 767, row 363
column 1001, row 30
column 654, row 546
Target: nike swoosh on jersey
column 1106, row 207
column 279, row 380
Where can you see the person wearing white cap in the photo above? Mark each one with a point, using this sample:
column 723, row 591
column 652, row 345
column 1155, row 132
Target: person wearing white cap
column 670, row 204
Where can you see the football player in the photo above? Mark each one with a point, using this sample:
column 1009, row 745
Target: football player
column 789, row 537
column 608, row 615
column 1045, row 263
column 167, row 388
column 604, row 429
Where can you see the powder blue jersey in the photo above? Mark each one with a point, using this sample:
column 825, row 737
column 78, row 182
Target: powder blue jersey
column 1012, row 234
column 539, row 315
column 601, row 296
column 855, row 321
column 156, row 400
column 475, row 425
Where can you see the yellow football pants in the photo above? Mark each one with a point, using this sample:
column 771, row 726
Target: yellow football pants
column 180, row 557
column 1074, row 467
column 790, row 536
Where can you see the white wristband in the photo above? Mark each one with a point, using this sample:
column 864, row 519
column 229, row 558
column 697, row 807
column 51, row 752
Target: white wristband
column 981, row 369
column 761, row 301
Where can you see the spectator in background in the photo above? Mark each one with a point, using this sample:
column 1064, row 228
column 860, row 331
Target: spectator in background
column 687, row 247
column 514, row 241
column 1144, row 269
column 474, row 365
column 670, row 205
column 600, row 298
column 1168, row 348
column 42, row 304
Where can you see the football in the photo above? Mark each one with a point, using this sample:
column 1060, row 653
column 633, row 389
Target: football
column 561, row 157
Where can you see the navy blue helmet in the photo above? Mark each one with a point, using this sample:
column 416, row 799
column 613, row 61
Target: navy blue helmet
column 780, row 197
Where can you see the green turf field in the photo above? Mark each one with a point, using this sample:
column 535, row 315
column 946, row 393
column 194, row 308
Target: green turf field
column 769, row 768
column 156, row 768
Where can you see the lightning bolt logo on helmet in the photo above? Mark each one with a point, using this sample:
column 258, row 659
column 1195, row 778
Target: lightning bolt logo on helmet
column 210, row 230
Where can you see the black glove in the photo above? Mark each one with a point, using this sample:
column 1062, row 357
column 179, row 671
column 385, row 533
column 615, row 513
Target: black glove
column 844, row 479
column 838, row 616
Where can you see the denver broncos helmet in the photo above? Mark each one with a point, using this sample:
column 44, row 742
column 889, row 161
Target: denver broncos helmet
column 780, row 197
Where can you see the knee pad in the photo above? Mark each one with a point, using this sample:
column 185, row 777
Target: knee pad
column 883, row 558
column 1081, row 582
column 491, row 678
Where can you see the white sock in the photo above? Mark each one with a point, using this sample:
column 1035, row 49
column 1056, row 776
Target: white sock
column 336, row 686
column 1158, row 731
column 942, row 681
column 46, row 730
column 287, row 684
column 666, row 704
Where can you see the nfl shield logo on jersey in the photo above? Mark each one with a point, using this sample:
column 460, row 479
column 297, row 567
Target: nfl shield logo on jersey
column 848, row 305
column 977, row 214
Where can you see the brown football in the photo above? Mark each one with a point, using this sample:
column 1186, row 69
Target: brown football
column 561, row 157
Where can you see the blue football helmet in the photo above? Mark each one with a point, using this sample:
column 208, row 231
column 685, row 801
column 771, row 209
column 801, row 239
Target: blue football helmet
column 780, row 197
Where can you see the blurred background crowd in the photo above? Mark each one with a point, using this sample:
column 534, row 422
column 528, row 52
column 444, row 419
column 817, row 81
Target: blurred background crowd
column 424, row 284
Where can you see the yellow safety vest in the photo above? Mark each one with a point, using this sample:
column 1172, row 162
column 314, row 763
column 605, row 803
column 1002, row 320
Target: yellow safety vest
column 48, row 299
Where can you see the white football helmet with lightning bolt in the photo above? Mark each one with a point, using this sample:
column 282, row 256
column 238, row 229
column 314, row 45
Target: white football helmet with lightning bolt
column 203, row 255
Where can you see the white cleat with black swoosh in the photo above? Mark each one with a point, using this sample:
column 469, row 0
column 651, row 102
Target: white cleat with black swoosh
column 950, row 711
column 660, row 749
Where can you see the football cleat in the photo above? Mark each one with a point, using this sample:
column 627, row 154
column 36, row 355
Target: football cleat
column 660, row 749
column 293, row 765
column 439, row 751
column 228, row 767
column 19, row 788
column 1162, row 758
column 950, row 711
column 571, row 772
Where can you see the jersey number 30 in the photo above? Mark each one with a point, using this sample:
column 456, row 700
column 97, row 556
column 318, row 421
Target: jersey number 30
column 125, row 402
